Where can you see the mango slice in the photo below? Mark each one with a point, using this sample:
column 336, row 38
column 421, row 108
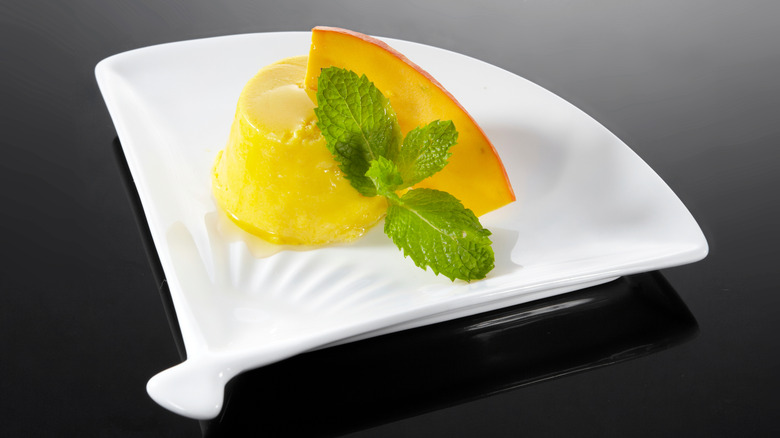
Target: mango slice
column 276, row 178
column 475, row 173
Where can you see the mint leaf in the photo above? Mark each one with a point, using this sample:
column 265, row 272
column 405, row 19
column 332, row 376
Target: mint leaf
column 435, row 230
column 385, row 176
column 425, row 151
column 358, row 124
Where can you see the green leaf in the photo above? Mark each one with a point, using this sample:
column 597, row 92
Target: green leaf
column 435, row 230
column 358, row 124
column 385, row 176
column 425, row 151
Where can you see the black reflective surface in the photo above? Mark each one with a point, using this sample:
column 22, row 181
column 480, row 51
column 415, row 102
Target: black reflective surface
column 690, row 85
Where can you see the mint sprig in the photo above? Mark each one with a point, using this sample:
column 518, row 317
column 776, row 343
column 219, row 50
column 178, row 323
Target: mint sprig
column 430, row 226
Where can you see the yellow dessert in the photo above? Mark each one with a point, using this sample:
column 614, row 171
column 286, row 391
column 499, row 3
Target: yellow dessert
column 276, row 178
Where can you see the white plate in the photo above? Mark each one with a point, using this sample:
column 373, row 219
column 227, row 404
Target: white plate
column 588, row 210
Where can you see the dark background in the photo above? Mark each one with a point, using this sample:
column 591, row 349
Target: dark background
column 692, row 86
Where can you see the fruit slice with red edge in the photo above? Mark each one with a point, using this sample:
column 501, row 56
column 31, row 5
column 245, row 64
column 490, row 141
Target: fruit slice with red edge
column 475, row 173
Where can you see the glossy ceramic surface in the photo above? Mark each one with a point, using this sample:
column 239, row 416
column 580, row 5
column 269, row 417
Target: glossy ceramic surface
column 588, row 210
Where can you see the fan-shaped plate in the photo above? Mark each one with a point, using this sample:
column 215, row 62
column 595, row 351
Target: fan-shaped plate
column 588, row 210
